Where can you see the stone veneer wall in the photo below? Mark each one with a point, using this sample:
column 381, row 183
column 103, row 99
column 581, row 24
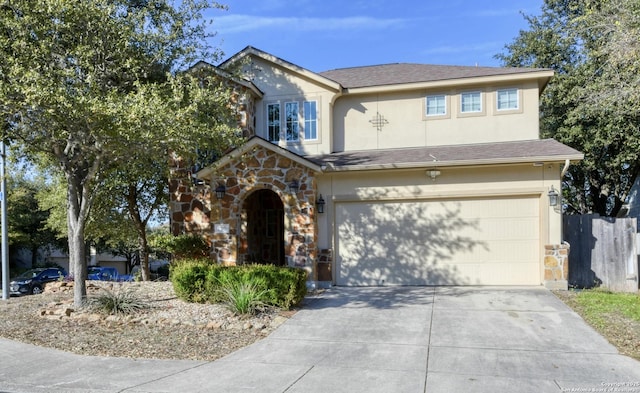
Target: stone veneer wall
column 264, row 169
column 190, row 205
column 556, row 266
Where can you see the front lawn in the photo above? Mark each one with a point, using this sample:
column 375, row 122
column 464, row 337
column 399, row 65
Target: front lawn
column 614, row 315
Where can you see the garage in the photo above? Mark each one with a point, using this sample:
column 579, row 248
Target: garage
column 465, row 241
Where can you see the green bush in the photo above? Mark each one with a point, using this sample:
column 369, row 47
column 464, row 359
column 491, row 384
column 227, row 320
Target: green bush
column 242, row 297
column 196, row 281
column 189, row 278
column 183, row 246
column 286, row 287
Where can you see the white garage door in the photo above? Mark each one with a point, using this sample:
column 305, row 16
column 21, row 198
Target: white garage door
column 479, row 241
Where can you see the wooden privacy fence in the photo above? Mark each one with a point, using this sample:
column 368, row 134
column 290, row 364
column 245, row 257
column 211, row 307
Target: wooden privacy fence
column 603, row 252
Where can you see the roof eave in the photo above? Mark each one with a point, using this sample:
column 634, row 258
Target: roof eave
column 249, row 50
column 543, row 77
column 208, row 172
column 453, row 163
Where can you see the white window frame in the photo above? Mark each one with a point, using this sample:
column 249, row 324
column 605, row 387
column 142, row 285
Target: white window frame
column 513, row 96
column 276, row 123
column 471, row 94
column 310, row 120
column 292, row 124
column 439, row 105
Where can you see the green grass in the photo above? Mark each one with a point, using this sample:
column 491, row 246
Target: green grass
column 616, row 316
column 598, row 304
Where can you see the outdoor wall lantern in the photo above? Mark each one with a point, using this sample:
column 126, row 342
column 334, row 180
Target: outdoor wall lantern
column 553, row 197
column 433, row 173
column 320, row 204
column 294, row 186
column 221, row 190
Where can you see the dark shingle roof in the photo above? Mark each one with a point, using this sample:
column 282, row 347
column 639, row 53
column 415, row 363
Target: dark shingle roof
column 473, row 154
column 399, row 73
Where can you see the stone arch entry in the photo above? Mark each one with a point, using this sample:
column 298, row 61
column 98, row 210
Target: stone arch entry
column 264, row 213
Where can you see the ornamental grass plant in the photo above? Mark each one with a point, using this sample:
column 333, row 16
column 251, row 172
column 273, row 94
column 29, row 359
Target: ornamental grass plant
column 117, row 302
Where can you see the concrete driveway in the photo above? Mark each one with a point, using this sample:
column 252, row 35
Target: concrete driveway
column 417, row 339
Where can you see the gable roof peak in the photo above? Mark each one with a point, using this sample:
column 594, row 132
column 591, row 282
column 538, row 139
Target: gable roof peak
column 253, row 51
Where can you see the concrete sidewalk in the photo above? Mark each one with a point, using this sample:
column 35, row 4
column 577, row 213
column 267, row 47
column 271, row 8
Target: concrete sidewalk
column 416, row 339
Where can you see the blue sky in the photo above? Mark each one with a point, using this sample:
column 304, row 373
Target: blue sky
column 326, row 34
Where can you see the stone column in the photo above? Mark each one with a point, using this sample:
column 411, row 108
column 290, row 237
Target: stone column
column 556, row 266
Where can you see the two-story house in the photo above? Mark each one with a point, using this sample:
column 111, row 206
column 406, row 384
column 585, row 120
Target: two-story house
column 395, row 174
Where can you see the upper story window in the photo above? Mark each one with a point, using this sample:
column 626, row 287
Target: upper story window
column 297, row 124
column 310, row 120
column 507, row 99
column 436, row 105
column 273, row 122
column 292, row 121
column 471, row 102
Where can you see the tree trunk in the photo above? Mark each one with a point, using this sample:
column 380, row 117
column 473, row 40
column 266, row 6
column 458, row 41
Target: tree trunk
column 78, row 264
column 78, row 211
column 141, row 227
column 144, row 255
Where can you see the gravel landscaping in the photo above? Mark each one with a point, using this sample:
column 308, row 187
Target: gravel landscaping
column 169, row 329
column 173, row 329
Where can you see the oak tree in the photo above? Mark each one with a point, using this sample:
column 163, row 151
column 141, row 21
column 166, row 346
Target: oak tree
column 89, row 85
column 593, row 102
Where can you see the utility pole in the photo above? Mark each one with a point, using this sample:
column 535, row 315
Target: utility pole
column 5, row 236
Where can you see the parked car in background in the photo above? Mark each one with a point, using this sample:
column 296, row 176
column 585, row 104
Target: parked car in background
column 105, row 273
column 33, row 281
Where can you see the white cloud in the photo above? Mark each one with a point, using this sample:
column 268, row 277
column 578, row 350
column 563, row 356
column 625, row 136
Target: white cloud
column 453, row 49
column 496, row 13
column 230, row 24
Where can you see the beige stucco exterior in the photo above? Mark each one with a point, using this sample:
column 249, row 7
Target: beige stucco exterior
column 280, row 85
column 407, row 125
column 502, row 193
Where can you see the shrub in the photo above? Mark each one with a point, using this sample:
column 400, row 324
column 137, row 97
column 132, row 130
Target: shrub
column 286, row 286
column 119, row 302
column 279, row 286
column 242, row 297
column 183, row 246
column 188, row 278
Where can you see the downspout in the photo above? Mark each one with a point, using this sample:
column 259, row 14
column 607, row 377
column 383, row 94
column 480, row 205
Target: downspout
column 565, row 168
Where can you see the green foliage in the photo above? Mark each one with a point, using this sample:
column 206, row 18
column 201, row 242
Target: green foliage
column 242, row 297
column 593, row 102
column 194, row 280
column 53, row 198
column 26, row 217
column 186, row 246
column 188, row 278
column 92, row 90
column 118, row 302
column 286, row 287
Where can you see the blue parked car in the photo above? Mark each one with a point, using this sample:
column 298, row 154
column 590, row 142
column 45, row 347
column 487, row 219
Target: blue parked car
column 32, row 281
column 104, row 273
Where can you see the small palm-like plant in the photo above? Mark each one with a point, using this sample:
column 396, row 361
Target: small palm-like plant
column 119, row 302
column 243, row 297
